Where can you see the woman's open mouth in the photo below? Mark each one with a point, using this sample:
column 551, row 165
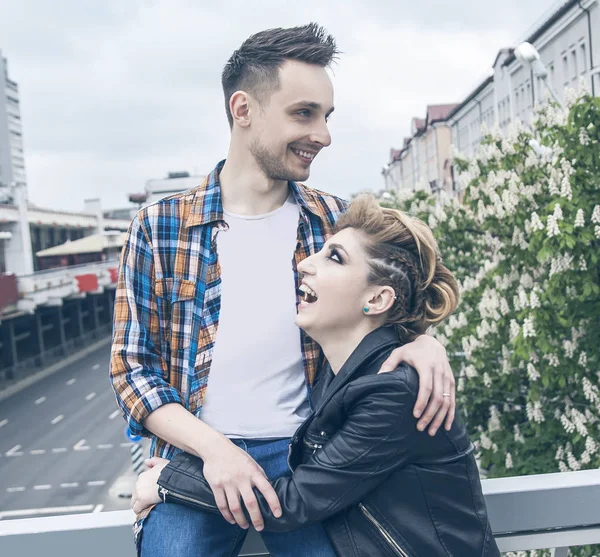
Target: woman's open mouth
column 307, row 295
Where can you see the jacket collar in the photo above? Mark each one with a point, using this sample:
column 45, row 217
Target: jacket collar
column 371, row 348
column 207, row 205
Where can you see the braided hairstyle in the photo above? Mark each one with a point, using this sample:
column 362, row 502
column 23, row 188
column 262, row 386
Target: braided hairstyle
column 403, row 254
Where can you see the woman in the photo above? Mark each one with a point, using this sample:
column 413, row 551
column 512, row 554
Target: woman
column 359, row 464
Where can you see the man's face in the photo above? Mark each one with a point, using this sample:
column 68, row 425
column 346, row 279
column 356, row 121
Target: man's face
column 290, row 128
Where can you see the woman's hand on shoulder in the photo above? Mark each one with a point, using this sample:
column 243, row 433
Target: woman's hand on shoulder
column 145, row 493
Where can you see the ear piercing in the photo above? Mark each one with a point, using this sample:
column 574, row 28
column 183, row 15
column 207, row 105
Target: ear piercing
column 366, row 309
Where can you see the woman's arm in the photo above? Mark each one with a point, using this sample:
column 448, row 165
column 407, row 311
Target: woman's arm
column 375, row 439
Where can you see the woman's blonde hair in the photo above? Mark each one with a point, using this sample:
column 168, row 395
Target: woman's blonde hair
column 403, row 254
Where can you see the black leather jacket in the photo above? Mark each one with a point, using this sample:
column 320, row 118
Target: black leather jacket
column 360, row 466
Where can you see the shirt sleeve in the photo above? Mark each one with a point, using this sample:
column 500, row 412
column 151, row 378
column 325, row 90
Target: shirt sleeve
column 138, row 370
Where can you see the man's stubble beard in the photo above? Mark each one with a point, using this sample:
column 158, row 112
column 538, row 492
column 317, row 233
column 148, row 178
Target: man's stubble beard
column 271, row 166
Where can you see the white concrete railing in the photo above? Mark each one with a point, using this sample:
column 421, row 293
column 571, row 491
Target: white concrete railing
column 52, row 286
column 544, row 511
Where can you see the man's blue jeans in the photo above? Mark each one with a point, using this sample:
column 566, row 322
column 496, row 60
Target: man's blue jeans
column 179, row 531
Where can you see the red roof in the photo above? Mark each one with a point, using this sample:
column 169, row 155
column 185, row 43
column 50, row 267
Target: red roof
column 437, row 112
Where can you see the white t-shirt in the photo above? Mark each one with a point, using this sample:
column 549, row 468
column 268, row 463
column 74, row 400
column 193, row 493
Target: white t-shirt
column 256, row 387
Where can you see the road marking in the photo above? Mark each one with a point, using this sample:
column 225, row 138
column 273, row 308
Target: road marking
column 42, row 487
column 126, row 444
column 15, row 489
column 40, row 400
column 74, row 484
column 96, row 483
column 96, row 366
column 57, row 419
column 46, row 510
column 3, row 423
column 81, row 446
column 90, row 396
column 38, row 451
column 14, row 451
column 60, row 450
column 98, row 509
column 70, row 381
column 107, row 446
column 114, row 414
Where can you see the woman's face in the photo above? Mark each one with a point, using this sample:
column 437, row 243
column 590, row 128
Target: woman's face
column 334, row 286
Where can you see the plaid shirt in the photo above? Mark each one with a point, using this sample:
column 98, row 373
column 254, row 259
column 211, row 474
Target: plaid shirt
column 168, row 299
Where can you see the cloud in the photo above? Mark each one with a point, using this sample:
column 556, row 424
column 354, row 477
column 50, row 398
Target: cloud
column 115, row 93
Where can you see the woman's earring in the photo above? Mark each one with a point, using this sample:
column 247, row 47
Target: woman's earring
column 366, row 310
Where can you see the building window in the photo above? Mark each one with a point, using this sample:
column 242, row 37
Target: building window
column 566, row 70
column 552, row 76
column 583, row 58
column 574, row 62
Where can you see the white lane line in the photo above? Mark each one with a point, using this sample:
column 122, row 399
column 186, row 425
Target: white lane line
column 15, row 489
column 106, row 446
column 3, row 423
column 38, row 451
column 60, row 450
column 14, row 451
column 46, row 510
column 96, row 483
column 98, row 509
column 90, row 396
column 57, row 419
column 42, row 487
column 40, row 400
column 70, row 381
column 126, row 444
column 73, row 484
column 80, row 446
column 114, row 414
column 95, row 366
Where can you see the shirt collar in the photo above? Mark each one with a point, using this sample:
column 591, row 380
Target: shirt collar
column 207, row 205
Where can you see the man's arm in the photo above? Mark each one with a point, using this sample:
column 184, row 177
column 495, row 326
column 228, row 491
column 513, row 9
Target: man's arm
column 138, row 374
column 375, row 439
column 436, row 382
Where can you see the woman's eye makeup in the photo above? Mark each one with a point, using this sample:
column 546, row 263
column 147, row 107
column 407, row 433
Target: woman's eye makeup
column 334, row 256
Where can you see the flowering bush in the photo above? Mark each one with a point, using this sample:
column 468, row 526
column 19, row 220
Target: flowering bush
column 525, row 246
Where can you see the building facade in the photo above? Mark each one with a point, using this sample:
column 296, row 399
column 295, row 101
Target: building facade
column 568, row 42
column 424, row 161
column 12, row 159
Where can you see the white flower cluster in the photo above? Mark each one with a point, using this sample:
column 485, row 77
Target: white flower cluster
column 518, row 435
column 485, row 442
column 584, row 137
column 596, row 214
column 534, row 412
column 569, row 347
column 561, row 264
column 536, row 223
column 552, row 222
column 471, row 371
column 508, row 462
column 590, row 391
column 515, row 329
column 532, row 373
column 528, row 327
column 494, row 421
column 582, row 359
column 579, row 219
column 552, row 359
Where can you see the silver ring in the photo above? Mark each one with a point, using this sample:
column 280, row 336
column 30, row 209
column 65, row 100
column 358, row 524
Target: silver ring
column 445, row 394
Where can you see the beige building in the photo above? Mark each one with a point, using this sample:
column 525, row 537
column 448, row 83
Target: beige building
column 424, row 160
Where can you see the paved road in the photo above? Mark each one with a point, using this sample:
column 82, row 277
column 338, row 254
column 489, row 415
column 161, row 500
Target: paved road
column 62, row 445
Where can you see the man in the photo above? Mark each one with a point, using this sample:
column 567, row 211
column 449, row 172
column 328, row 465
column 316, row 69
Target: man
column 206, row 357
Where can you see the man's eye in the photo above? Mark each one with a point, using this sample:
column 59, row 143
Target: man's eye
column 304, row 113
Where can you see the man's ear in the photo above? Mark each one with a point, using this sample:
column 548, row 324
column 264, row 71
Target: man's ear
column 239, row 105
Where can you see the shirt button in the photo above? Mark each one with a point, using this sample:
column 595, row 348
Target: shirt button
column 323, row 434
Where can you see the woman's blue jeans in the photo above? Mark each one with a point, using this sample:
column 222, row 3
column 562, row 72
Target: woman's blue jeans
column 179, row 531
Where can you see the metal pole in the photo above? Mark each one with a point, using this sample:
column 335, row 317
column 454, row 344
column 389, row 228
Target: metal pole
column 40, row 336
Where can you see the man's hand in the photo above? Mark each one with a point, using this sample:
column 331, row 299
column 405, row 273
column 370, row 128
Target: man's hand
column 436, row 381
column 145, row 493
column 231, row 474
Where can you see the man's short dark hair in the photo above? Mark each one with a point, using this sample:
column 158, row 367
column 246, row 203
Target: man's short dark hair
column 254, row 67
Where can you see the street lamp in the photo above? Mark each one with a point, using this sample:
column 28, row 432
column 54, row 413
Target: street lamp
column 527, row 54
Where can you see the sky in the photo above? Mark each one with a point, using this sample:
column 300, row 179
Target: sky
column 114, row 93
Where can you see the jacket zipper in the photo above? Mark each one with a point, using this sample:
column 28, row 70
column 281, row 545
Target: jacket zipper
column 385, row 534
column 164, row 492
column 314, row 446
